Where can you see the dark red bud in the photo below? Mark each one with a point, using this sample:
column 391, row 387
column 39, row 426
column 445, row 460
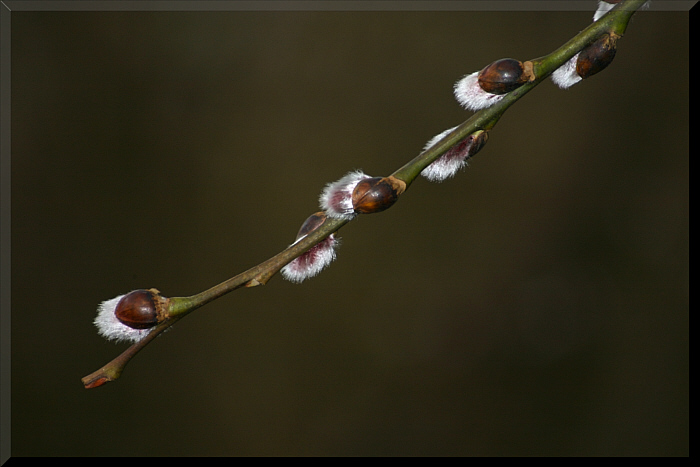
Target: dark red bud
column 504, row 76
column 313, row 222
column 140, row 309
column 474, row 142
column 597, row 56
column 376, row 194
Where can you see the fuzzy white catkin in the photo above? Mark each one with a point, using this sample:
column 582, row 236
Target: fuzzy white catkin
column 603, row 7
column 311, row 262
column 470, row 95
column 109, row 327
column 336, row 198
column 565, row 76
column 447, row 165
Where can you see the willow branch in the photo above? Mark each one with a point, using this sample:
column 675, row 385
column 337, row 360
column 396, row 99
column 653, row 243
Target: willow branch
column 614, row 22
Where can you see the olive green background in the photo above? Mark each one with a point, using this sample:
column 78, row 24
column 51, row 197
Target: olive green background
column 536, row 304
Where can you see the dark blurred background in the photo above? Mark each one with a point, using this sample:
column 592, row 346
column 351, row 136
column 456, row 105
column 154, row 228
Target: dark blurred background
column 536, row 304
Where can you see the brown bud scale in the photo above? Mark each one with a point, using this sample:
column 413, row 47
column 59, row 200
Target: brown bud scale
column 376, row 194
column 141, row 309
column 504, row 76
column 313, row 222
column 474, row 142
column 597, row 56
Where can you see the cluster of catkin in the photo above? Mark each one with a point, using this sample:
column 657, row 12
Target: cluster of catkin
column 132, row 316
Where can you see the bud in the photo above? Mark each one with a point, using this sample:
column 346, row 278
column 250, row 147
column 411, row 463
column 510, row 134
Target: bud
column 139, row 309
column 336, row 198
column 502, row 76
column 376, row 194
column 131, row 317
column 597, row 56
column 589, row 61
column 482, row 89
column 456, row 157
column 317, row 258
column 577, row 69
column 313, row 222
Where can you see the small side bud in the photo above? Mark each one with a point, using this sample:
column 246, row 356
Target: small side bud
column 376, row 194
column 131, row 317
column 597, row 56
column 95, row 383
column 317, row 258
column 456, row 157
column 313, row 222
